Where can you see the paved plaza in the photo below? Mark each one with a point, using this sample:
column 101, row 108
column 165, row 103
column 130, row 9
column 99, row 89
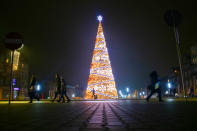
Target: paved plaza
column 120, row 115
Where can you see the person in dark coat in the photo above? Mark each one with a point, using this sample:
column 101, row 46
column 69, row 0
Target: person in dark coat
column 64, row 91
column 155, row 86
column 58, row 88
column 31, row 89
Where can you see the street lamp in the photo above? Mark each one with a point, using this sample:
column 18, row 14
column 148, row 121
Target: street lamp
column 127, row 89
column 169, row 86
column 120, row 92
column 173, row 18
column 38, row 87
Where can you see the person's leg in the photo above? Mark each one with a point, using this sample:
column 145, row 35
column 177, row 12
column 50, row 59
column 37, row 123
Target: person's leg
column 68, row 99
column 54, row 97
column 159, row 94
column 59, row 96
column 149, row 96
column 62, row 97
column 31, row 97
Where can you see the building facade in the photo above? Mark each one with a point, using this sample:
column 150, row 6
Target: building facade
column 20, row 74
column 189, row 64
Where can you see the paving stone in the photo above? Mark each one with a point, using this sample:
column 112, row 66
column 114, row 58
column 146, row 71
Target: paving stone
column 118, row 123
column 143, row 129
column 90, row 125
column 69, row 129
column 116, row 128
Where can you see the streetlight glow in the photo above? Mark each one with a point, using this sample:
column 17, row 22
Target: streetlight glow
column 169, row 85
column 38, row 87
column 120, row 92
column 127, row 89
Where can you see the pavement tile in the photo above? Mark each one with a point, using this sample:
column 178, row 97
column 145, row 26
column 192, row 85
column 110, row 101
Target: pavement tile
column 93, row 125
column 143, row 129
column 116, row 128
column 114, row 123
column 69, row 129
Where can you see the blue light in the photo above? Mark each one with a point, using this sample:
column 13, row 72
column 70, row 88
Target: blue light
column 100, row 18
column 166, row 92
column 127, row 89
column 120, row 92
column 169, row 85
column 14, row 82
column 38, row 87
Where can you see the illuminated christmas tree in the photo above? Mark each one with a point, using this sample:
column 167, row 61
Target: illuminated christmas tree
column 101, row 78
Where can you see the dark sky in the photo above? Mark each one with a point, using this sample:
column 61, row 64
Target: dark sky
column 59, row 36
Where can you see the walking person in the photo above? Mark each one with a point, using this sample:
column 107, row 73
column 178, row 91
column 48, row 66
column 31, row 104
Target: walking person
column 64, row 91
column 58, row 88
column 155, row 86
column 31, row 89
column 191, row 92
column 93, row 93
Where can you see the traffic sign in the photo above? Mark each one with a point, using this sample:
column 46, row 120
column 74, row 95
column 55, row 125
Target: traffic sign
column 173, row 18
column 13, row 41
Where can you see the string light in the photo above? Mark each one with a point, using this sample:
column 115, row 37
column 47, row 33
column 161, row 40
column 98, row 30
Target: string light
column 101, row 78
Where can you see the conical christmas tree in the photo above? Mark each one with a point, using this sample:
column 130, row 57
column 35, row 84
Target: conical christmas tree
column 101, row 79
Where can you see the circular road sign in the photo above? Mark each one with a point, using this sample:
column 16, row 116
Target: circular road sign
column 172, row 18
column 13, row 41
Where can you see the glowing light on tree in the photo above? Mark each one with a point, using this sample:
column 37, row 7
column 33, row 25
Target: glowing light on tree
column 101, row 78
column 16, row 60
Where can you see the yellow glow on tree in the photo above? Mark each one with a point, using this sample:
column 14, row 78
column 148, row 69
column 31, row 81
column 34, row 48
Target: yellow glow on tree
column 101, row 78
column 15, row 60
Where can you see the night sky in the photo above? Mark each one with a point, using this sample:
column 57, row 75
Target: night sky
column 59, row 36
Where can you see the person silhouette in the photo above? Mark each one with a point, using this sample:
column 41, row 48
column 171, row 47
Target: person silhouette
column 64, row 91
column 31, row 89
column 93, row 93
column 155, row 86
column 58, row 88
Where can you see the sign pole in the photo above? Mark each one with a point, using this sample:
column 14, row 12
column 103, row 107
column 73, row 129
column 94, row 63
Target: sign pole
column 12, row 41
column 173, row 18
column 11, row 75
column 180, row 60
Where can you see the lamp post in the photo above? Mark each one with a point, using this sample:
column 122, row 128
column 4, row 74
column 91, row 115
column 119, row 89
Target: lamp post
column 120, row 92
column 12, row 41
column 169, row 85
column 173, row 19
column 127, row 89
